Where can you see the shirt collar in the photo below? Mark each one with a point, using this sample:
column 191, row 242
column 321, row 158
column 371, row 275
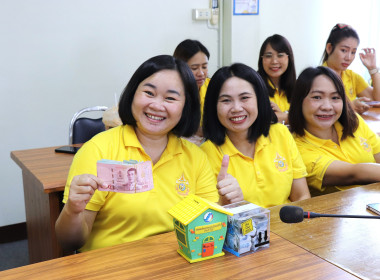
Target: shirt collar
column 174, row 145
column 319, row 142
column 261, row 142
column 130, row 137
column 275, row 89
column 130, row 140
column 229, row 149
column 271, row 84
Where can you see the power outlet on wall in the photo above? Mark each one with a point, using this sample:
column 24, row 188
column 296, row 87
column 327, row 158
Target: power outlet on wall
column 201, row 14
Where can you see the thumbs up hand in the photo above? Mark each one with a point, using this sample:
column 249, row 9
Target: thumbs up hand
column 227, row 185
column 223, row 169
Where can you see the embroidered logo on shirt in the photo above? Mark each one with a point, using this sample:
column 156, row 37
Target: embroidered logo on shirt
column 182, row 186
column 365, row 145
column 280, row 163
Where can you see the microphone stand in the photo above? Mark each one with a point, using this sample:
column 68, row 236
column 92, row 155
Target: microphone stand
column 311, row 215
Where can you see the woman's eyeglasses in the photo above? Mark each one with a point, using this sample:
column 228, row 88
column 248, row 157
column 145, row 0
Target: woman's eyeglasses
column 270, row 56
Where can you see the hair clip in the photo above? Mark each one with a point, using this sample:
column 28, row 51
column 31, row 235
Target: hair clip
column 341, row 26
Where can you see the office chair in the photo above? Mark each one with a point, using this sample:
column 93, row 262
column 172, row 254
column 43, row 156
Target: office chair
column 83, row 129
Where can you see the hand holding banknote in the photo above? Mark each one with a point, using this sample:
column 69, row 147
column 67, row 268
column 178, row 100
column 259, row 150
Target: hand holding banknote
column 82, row 188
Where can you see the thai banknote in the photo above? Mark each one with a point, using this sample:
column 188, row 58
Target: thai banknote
column 125, row 177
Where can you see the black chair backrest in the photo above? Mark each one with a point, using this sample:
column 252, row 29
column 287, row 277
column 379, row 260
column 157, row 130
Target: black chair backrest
column 85, row 128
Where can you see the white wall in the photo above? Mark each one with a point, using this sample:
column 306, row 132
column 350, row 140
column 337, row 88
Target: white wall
column 306, row 24
column 60, row 56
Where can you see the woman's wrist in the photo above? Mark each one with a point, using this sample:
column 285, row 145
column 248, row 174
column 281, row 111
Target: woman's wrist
column 373, row 71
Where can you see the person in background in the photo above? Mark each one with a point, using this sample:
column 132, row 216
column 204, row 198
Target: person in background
column 341, row 48
column 111, row 117
column 276, row 67
column 253, row 157
column 337, row 147
column 159, row 105
column 196, row 55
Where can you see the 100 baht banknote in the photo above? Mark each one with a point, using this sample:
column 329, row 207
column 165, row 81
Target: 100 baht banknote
column 125, row 177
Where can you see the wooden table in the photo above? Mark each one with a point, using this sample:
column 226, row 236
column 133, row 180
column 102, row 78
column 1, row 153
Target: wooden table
column 156, row 258
column 351, row 244
column 44, row 174
column 372, row 118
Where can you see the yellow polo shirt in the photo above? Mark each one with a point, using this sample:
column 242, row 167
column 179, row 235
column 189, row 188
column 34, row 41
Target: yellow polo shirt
column 280, row 99
column 182, row 169
column 353, row 83
column 318, row 153
column 202, row 95
column 265, row 180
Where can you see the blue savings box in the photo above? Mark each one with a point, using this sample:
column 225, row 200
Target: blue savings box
column 247, row 229
column 200, row 226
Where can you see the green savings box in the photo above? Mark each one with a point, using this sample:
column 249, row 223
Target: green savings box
column 200, row 227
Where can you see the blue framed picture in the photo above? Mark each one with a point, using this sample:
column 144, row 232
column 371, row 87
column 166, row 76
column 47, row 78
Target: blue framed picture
column 246, row 7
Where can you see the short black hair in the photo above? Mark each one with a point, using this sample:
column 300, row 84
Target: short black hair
column 297, row 121
column 338, row 33
column 288, row 79
column 212, row 128
column 188, row 48
column 132, row 169
column 191, row 113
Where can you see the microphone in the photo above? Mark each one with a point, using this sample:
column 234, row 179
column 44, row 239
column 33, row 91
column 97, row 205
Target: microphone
column 294, row 214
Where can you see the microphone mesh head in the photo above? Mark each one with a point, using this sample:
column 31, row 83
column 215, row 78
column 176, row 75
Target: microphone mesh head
column 291, row 214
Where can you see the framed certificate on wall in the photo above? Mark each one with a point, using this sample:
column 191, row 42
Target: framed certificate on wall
column 246, row 7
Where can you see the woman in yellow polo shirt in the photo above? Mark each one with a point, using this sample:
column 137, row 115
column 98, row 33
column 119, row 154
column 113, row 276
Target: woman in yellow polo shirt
column 158, row 106
column 196, row 55
column 337, row 146
column 264, row 167
column 341, row 47
column 276, row 67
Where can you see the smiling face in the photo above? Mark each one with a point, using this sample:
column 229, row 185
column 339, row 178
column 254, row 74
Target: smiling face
column 343, row 54
column 274, row 63
column 158, row 103
column 198, row 64
column 322, row 107
column 237, row 106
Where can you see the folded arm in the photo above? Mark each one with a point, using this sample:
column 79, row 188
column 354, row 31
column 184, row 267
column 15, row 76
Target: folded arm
column 300, row 190
column 341, row 173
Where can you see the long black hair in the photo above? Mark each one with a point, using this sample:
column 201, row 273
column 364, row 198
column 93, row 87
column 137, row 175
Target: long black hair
column 287, row 81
